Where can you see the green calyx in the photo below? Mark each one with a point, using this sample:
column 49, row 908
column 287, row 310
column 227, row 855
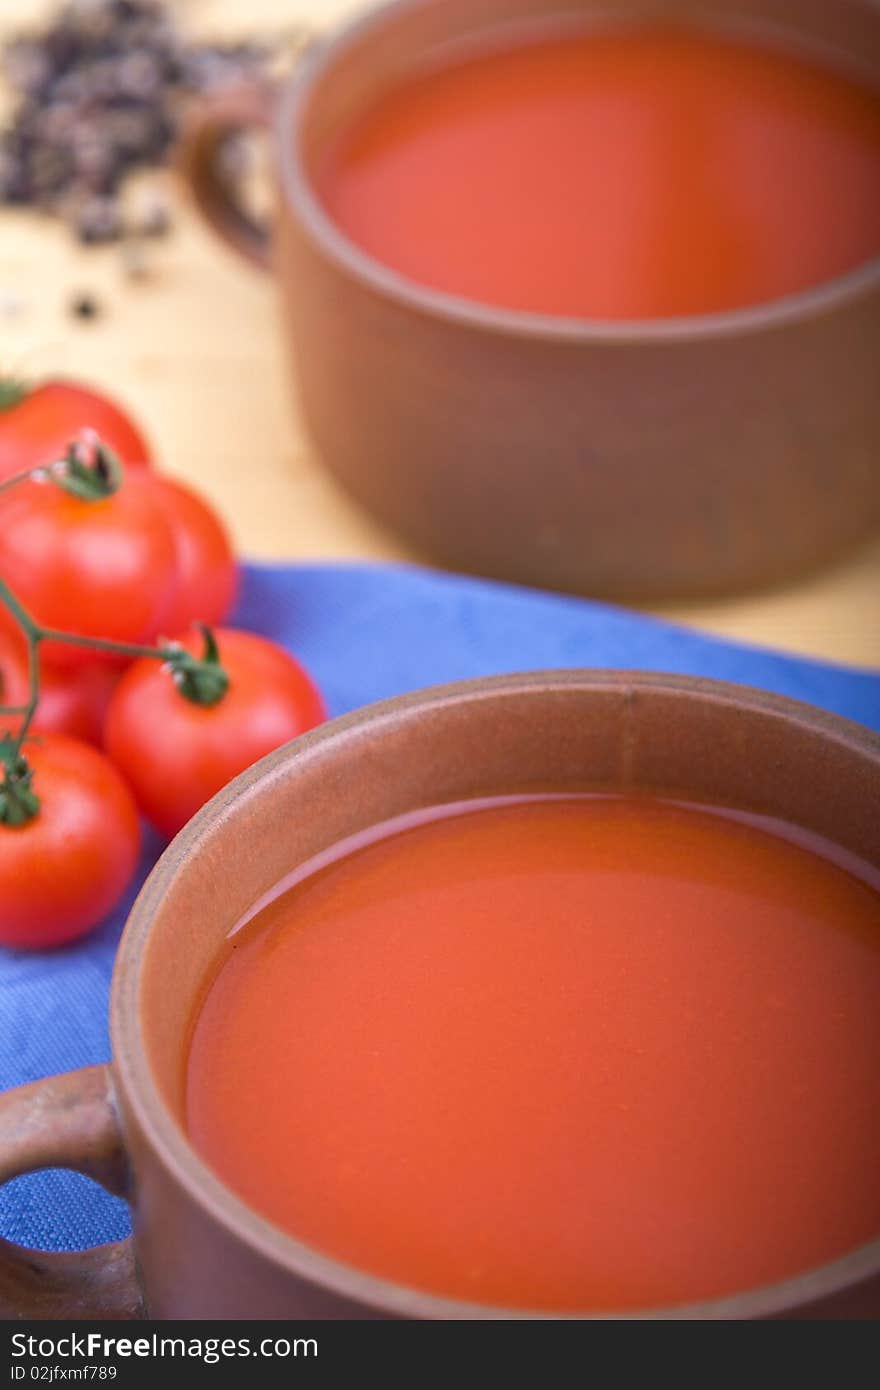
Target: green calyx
column 18, row 801
column 199, row 679
column 91, row 472
column 12, row 392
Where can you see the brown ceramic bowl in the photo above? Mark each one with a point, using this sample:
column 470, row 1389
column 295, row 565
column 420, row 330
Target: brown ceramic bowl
column 634, row 459
column 199, row 1251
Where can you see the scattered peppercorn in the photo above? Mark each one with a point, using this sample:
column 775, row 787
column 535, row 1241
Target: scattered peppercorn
column 85, row 306
column 100, row 95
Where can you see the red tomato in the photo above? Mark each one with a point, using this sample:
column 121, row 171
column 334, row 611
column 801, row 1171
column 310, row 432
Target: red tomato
column 207, row 574
column 176, row 754
column 102, row 569
column 63, row 871
column 72, row 702
column 37, row 429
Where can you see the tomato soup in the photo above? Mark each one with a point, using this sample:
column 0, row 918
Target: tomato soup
column 556, row 1053
column 616, row 173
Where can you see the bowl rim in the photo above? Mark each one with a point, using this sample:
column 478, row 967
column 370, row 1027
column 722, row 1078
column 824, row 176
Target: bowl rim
column 373, row 275
column 133, row 1074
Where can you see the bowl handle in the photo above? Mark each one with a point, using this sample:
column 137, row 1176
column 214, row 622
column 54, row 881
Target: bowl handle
column 66, row 1121
column 212, row 120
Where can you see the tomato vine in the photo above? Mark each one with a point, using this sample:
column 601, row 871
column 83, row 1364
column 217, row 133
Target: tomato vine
column 91, row 472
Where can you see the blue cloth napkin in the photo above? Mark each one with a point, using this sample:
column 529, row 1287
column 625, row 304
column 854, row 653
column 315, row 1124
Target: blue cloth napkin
column 365, row 632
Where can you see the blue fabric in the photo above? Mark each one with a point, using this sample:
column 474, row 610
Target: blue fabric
column 365, row 632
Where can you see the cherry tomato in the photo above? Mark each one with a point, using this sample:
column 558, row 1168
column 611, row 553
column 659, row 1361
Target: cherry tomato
column 72, row 701
column 207, row 574
column 177, row 754
column 63, row 871
column 37, row 429
column 101, row 568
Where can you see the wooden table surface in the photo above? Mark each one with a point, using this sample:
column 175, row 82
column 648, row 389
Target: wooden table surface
column 195, row 351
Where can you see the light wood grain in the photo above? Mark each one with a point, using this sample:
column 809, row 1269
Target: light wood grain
column 195, row 351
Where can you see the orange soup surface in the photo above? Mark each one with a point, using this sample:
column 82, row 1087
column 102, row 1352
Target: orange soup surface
column 619, row 173
column 555, row 1053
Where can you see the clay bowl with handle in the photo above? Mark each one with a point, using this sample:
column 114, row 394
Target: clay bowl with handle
column 198, row 1251
column 641, row 459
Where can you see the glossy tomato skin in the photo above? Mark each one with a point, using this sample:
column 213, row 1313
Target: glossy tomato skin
column 38, row 429
column 72, row 701
column 175, row 754
column 62, row 872
column 206, row 570
column 101, row 569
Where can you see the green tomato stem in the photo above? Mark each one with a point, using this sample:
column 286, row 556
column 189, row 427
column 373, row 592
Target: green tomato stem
column 12, row 392
column 31, row 706
column 104, row 644
column 18, row 803
column 18, row 611
column 27, row 476
column 31, row 634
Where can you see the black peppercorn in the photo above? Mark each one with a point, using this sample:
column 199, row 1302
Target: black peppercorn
column 85, row 306
column 100, row 94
